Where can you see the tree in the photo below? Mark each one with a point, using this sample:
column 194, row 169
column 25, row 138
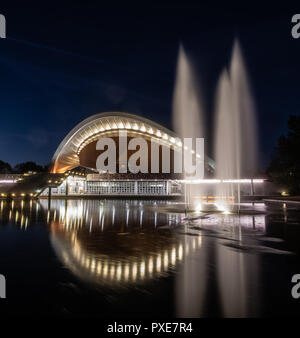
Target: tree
column 25, row 167
column 5, row 168
column 285, row 164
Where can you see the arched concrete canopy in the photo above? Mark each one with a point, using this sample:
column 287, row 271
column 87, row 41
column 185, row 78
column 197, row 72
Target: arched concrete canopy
column 66, row 156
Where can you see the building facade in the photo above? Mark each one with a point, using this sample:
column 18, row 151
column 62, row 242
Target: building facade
column 78, row 152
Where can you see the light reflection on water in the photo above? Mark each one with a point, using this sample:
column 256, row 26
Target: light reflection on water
column 232, row 270
column 214, row 260
column 114, row 248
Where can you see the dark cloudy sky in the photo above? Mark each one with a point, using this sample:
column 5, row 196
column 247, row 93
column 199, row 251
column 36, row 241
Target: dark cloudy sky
column 62, row 62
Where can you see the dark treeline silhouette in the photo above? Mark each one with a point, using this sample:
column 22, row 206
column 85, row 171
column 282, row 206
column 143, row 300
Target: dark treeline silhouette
column 285, row 164
column 21, row 168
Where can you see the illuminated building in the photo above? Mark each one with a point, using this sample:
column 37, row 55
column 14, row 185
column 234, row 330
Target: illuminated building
column 73, row 166
column 77, row 154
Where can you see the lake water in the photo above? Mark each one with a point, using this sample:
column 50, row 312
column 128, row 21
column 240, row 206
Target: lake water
column 142, row 258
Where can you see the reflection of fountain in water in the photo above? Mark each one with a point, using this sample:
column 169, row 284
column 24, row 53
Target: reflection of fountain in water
column 188, row 115
column 235, row 131
column 231, row 274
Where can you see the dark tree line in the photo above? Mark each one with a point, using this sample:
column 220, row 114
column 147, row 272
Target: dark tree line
column 21, row 168
column 285, row 164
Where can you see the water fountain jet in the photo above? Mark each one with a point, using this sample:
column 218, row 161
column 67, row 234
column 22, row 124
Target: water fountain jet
column 235, row 132
column 187, row 116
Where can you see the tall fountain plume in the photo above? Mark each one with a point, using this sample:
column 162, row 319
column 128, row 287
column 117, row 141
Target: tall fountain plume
column 225, row 139
column 187, row 113
column 245, row 112
column 235, row 131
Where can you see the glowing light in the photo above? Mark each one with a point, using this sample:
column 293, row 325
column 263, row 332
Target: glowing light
column 142, row 269
column 119, row 271
column 158, row 133
column 180, row 252
column 93, row 265
column 99, row 266
column 237, row 181
column 165, row 137
column 173, row 256
column 105, row 269
column 217, row 181
column 166, row 259
column 258, row 181
column 158, row 263
column 220, row 207
column 126, row 272
column 134, row 271
column 150, row 131
column 150, row 265
column 143, row 129
column 198, row 208
column 199, row 241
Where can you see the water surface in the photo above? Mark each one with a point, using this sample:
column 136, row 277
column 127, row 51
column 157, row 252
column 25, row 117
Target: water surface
column 134, row 258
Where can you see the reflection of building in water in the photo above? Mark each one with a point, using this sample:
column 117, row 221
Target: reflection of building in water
column 124, row 243
column 75, row 213
column 21, row 213
column 116, row 243
column 102, row 268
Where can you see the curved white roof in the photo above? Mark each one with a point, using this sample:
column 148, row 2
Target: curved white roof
column 67, row 154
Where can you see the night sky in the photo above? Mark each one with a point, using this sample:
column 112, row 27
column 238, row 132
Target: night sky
column 63, row 62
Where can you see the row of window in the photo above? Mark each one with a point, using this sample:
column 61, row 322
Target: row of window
column 141, row 188
column 152, row 188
